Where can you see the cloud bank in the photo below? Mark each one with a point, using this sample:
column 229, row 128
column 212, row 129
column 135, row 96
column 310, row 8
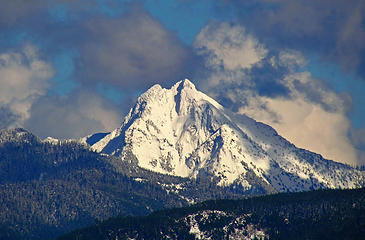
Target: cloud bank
column 307, row 113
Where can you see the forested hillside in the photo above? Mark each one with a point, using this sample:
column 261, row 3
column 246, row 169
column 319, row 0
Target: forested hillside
column 48, row 188
column 321, row 214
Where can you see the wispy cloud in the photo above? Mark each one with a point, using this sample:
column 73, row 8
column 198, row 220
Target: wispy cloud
column 24, row 77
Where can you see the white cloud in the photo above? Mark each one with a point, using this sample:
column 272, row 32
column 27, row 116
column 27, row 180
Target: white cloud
column 229, row 46
column 308, row 126
column 24, row 81
column 24, row 77
column 320, row 126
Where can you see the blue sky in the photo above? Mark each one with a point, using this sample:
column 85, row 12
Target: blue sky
column 298, row 66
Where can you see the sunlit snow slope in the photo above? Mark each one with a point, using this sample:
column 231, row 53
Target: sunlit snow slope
column 183, row 132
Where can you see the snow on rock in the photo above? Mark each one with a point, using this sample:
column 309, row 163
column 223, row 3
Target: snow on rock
column 51, row 140
column 242, row 230
column 14, row 135
column 183, row 132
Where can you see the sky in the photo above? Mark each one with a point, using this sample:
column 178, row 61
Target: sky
column 70, row 68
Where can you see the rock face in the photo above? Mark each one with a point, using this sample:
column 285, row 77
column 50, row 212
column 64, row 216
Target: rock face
column 183, row 132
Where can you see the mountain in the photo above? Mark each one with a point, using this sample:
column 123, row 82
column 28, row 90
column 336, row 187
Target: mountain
column 50, row 187
column 320, row 214
column 175, row 147
column 183, row 132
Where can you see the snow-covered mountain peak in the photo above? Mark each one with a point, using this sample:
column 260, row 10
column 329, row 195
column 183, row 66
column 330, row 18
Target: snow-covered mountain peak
column 182, row 131
column 187, row 91
column 183, row 94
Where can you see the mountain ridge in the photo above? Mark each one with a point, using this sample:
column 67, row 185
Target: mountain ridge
column 183, row 132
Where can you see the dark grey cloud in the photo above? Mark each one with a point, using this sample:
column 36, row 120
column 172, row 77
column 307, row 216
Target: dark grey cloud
column 334, row 29
column 129, row 50
column 316, row 91
column 133, row 51
column 14, row 11
column 268, row 79
column 24, row 13
column 76, row 115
